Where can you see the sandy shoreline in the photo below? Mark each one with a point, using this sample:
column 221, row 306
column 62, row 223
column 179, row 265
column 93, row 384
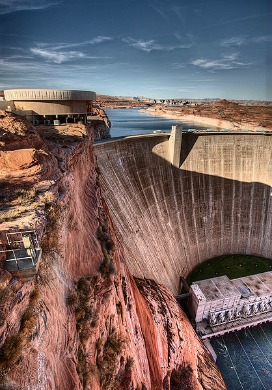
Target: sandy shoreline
column 201, row 120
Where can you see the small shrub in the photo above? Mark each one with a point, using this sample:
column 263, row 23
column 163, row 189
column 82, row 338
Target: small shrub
column 106, row 268
column 116, row 342
column 26, row 196
column 181, row 377
column 72, row 299
column 47, row 198
column 11, row 350
column 142, row 386
column 124, row 289
column 129, row 363
column 119, row 309
column 102, row 235
column 84, row 332
column 109, row 361
column 35, row 295
column 13, row 347
column 110, row 245
column 99, row 344
column 88, row 313
column 83, row 285
column 93, row 323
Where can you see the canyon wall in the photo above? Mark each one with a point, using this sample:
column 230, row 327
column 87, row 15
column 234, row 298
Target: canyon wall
column 83, row 322
column 171, row 219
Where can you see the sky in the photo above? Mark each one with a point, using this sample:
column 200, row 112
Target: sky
column 153, row 48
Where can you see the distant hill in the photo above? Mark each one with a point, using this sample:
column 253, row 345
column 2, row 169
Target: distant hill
column 118, row 102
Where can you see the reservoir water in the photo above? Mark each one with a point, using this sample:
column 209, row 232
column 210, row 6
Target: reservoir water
column 132, row 121
column 244, row 357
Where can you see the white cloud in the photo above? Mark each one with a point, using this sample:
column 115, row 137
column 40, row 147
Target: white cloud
column 262, row 38
column 180, row 13
column 177, row 65
column 99, row 39
column 56, row 52
column 242, row 40
column 233, row 41
column 249, row 17
column 230, row 57
column 12, row 70
column 228, row 61
column 57, row 57
column 141, row 45
column 159, row 7
column 92, row 41
column 150, row 45
column 30, row 73
column 9, row 6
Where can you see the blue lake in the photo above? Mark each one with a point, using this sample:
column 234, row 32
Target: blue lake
column 132, row 121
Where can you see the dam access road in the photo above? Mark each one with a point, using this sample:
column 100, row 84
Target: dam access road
column 171, row 218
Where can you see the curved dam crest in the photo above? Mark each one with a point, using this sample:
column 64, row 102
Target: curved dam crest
column 170, row 219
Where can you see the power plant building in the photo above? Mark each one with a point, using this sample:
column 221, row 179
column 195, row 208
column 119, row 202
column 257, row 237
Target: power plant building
column 219, row 301
column 50, row 106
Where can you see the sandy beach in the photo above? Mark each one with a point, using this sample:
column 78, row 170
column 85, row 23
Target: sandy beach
column 202, row 120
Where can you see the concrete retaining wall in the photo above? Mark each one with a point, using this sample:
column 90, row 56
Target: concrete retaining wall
column 52, row 108
column 171, row 219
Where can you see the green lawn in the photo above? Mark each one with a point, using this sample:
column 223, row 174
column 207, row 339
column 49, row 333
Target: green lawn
column 234, row 266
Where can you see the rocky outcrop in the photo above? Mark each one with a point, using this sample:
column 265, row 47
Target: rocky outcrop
column 84, row 322
column 102, row 130
column 223, row 114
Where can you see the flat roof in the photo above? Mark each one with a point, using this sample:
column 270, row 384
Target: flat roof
column 48, row 94
column 223, row 287
column 259, row 284
column 218, row 288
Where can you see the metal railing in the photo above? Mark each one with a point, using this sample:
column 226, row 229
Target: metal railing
column 20, row 250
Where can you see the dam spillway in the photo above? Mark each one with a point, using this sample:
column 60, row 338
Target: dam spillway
column 170, row 219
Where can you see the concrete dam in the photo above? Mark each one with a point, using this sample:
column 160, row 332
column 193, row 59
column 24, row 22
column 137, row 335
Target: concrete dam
column 215, row 199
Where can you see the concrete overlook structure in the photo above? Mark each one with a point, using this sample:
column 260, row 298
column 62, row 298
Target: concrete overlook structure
column 49, row 105
column 218, row 200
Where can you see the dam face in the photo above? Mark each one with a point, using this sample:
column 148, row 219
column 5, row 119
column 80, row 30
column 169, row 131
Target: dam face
column 169, row 219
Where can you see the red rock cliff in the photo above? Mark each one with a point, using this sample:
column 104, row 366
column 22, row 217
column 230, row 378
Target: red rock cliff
column 83, row 322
